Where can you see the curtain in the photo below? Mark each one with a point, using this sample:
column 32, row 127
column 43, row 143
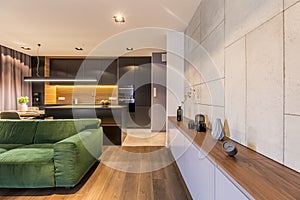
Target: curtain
column 14, row 66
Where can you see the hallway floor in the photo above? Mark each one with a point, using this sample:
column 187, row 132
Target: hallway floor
column 144, row 137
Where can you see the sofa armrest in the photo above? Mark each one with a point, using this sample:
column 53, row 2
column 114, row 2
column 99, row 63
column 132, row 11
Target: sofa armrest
column 75, row 155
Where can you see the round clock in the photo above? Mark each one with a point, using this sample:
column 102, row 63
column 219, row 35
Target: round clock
column 229, row 148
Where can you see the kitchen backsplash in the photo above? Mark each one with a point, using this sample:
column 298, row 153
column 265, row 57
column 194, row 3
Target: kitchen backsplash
column 82, row 94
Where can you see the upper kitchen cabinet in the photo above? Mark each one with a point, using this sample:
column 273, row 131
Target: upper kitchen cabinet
column 135, row 71
column 104, row 70
column 66, row 68
column 142, row 81
column 126, row 71
column 93, row 69
column 109, row 67
column 142, row 71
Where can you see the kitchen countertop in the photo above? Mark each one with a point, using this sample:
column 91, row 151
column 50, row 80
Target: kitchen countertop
column 260, row 176
column 84, row 106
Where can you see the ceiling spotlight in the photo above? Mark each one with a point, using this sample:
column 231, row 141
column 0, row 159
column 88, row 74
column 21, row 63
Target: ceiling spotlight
column 79, row 48
column 26, row 48
column 119, row 19
column 129, row 49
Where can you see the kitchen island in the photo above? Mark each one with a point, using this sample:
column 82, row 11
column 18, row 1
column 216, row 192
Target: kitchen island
column 113, row 118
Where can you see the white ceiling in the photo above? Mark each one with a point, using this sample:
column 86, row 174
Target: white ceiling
column 62, row 25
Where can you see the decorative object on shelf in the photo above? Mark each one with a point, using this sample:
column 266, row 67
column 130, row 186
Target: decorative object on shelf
column 199, row 118
column 23, row 103
column 200, row 123
column 229, row 148
column 218, row 131
column 191, row 92
column 191, row 124
column 104, row 102
column 75, row 101
column 201, row 127
column 179, row 113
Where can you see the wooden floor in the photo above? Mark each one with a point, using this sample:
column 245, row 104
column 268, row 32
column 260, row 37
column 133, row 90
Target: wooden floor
column 103, row 182
column 144, row 137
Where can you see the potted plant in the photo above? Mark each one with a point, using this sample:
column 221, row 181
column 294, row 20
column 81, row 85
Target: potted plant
column 23, row 103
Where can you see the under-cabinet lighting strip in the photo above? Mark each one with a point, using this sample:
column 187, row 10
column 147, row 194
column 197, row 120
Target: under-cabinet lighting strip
column 87, row 86
column 59, row 80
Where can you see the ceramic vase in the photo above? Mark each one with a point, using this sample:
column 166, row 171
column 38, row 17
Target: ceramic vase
column 23, row 107
column 218, row 131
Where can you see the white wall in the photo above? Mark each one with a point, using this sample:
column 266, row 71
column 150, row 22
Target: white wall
column 175, row 71
column 253, row 52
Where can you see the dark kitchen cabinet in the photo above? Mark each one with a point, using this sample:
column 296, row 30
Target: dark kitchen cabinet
column 104, row 70
column 137, row 71
column 142, row 81
column 66, row 68
column 110, row 70
column 92, row 69
column 126, row 71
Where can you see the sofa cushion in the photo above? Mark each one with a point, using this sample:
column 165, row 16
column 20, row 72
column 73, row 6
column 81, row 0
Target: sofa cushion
column 2, row 150
column 75, row 155
column 42, row 146
column 17, row 131
column 30, row 167
column 52, row 131
column 10, row 146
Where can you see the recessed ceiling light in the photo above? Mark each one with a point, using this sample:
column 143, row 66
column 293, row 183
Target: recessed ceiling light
column 129, row 49
column 26, row 48
column 119, row 19
column 79, row 48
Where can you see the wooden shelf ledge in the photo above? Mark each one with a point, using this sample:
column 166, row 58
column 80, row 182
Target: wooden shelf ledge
column 260, row 176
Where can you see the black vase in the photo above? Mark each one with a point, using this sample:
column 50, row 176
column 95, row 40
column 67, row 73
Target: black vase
column 179, row 114
column 201, row 127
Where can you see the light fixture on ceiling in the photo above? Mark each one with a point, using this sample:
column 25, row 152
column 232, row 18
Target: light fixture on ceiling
column 26, row 48
column 37, row 77
column 59, row 79
column 129, row 49
column 119, row 19
column 38, row 60
column 79, row 48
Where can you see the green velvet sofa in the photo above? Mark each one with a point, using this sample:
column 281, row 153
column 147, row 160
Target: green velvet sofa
column 48, row 153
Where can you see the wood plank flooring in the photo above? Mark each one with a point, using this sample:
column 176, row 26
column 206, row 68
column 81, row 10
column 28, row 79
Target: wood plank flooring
column 144, row 137
column 103, row 182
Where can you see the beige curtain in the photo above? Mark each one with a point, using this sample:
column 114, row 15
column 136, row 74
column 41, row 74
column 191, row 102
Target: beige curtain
column 14, row 66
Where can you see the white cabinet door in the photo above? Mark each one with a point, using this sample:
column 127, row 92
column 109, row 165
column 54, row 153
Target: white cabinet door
column 199, row 173
column 176, row 142
column 171, row 134
column 225, row 189
column 203, row 179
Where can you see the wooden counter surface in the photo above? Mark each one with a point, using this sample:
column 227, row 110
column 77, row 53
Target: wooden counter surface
column 83, row 106
column 260, row 176
column 29, row 113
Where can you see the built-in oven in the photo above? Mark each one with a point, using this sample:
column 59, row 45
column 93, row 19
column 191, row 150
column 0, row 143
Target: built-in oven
column 126, row 96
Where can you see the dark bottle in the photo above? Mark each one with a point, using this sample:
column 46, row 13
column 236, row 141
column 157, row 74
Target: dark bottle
column 179, row 114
